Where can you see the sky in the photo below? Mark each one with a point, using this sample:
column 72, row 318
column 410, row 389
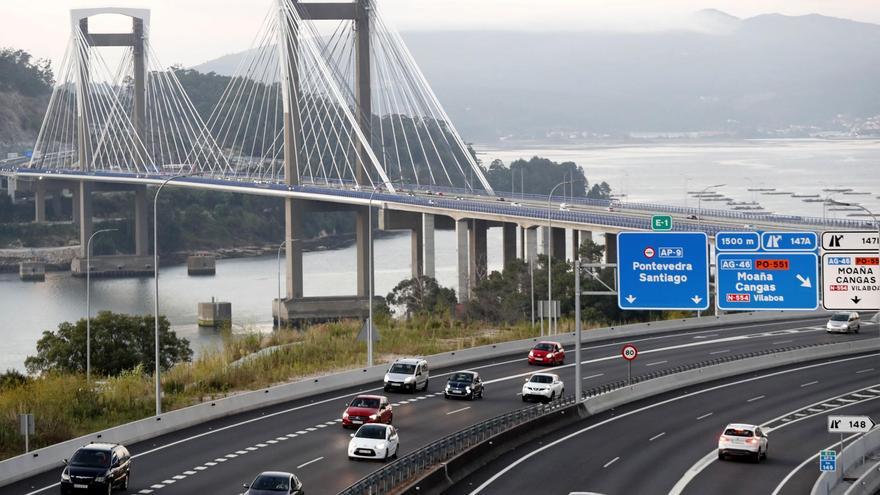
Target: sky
column 189, row 32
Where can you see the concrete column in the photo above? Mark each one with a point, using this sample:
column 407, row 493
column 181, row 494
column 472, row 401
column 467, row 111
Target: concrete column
column 557, row 243
column 74, row 204
column 610, row 247
column 477, row 253
column 141, row 239
column 531, row 244
column 575, row 244
column 417, row 244
column 508, row 235
column 362, row 234
column 428, row 245
column 39, row 201
column 545, row 240
column 522, row 243
column 461, row 247
column 579, row 238
column 84, row 212
column 56, row 203
column 293, row 234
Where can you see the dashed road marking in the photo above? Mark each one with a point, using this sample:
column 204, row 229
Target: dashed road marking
column 722, row 351
column 655, row 437
column 458, row 410
column 612, row 461
column 704, row 416
column 656, row 363
column 809, row 383
column 310, row 462
column 753, row 399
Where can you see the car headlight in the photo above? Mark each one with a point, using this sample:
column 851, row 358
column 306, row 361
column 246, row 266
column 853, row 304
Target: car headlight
column 531, row 354
column 373, row 417
column 99, row 479
column 386, row 378
column 65, row 476
column 549, row 355
column 381, row 445
column 345, row 415
column 448, row 387
column 409, row 379
column 467, row 390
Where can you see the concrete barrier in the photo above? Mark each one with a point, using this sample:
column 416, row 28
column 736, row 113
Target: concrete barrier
column 46, row 458
column 853, row 458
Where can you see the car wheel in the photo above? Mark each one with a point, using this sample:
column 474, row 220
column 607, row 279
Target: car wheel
column 524, row 398
column 552, row 396
column 396, row 451
column 125, row 485
column 757, row 457
column 390, row 418
column 858, row 327
column 426, row 385
column 386, row 456
column 109, row 486
column 481, row 393
column 720, row 456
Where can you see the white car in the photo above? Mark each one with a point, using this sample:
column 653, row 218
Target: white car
column 740, row 439
column 844, row 322
column 543, row 386
column 374, row 441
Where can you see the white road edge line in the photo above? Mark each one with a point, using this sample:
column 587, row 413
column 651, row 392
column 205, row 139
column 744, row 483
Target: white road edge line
column 310, row 462
column 537, row 451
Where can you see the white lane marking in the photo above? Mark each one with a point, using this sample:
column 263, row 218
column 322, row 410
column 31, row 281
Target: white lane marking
column 782, row 342
column 250, row 449
column 145, row 491
column 273, row 442
column 179, row 477
column 281, row 438
column 710, row 457
column 612, row 461
column 656, row 363
column 157, row 486
column 311, row 429
column 310, row 462
column 169, row 482
column 322, row 425
column 753, row 399
column 809, row 383
column 801, row 465
column 292, row 435
column 231, row 456
column 655, row 437
column 554, row 443
column 200, row 468
column 331, row 423
column 670, row 335
column 458, row 410
column 719, row 352
column 864, row 371
column 210, row 464
column 189, row 473
column 704, row 416
column 828, row 406
column 261, row 445
column 706, row 336
column 301, row 432
column 594, row 376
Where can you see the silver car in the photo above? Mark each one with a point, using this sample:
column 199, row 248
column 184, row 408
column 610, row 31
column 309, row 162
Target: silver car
column 844, row 322
column 407, row 375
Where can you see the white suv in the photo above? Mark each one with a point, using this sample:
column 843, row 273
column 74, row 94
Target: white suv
column 408, row 375
column 739, row 439
column 543, row 386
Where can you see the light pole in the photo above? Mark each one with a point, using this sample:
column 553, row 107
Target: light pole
column 370, row 269
column 278, row 307
column 156, row 277
column 550, row 256
column 89, row 303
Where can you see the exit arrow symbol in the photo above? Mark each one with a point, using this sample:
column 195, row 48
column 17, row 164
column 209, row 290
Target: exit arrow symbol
column 630, row 298
column 696, row 299
column 855, row 299
column 805, row 282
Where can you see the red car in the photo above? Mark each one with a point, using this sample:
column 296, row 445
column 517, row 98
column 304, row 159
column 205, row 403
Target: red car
column 547, row 353
column 367, row 409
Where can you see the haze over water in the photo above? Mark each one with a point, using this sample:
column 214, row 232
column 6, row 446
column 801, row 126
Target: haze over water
column 660, row 173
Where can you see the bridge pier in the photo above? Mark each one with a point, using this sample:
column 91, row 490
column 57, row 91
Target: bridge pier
column 610, row 247
column 39, row 201
column 428, row 268
column 578, row 239
column 508, row 239
column 477, row 254
column 141, row 239
column 461, row 248
column 557, row 243
column 530, row 242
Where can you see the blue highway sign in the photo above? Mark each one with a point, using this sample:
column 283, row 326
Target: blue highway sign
column 767, row 281
column 827, row 460
column 737, row 241
column 662, row 270
column 789, row 241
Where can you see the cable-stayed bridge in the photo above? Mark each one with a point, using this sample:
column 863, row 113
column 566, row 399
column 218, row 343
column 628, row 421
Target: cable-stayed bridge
column 328, row 111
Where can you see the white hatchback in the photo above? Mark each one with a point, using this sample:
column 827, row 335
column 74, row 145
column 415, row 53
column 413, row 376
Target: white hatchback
column 374, row 441
column 745, row 440
column 543, row 386
column 844, row 322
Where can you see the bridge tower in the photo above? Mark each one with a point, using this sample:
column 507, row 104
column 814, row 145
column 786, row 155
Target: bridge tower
column 82, row 190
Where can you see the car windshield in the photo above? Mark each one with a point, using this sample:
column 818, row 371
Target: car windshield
column 840, row 317
column 403, row 369
column 271, row 483
column 733, row 432
column 541, row 379
column 545, row 347
column 365, row 402
column 376, row 432
column 461, row 377
column 91, row 458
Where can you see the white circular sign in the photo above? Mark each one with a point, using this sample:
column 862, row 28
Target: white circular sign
column 649, row 252
column 629, row 352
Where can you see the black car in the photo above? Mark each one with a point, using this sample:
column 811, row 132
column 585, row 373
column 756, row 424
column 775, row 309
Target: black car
column 464, row 384
column 274, row 483
column 97, row 468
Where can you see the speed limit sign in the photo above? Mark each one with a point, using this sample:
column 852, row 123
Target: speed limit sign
column 629, row 352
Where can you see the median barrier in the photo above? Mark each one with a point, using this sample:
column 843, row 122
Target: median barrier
column 853, row 457
column 50, row 457
column 430, row 472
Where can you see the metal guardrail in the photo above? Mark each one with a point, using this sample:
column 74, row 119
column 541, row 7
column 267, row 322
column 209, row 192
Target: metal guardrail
column 405, row 469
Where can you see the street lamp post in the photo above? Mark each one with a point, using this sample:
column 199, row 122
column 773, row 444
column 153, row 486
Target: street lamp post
column 370, row 269
column 550, row 257
column 278, row 303
column 156, row 277
column 89, row 303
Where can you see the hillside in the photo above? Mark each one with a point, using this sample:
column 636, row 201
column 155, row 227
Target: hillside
column 766, row 75
column 25, row 86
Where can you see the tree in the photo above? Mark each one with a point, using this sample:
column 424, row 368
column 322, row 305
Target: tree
column 119, row 343
column 421, row 295
column 19, row 73
column 502, row 296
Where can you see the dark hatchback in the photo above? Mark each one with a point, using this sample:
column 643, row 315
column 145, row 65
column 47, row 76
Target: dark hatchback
column 466, row 384
column 97, row 468
column 275, row 483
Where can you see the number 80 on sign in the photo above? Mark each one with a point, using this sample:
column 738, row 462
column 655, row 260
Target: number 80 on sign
column 629, row 352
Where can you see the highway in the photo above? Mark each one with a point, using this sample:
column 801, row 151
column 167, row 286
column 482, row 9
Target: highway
column 304, row 436
column 667, row 444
